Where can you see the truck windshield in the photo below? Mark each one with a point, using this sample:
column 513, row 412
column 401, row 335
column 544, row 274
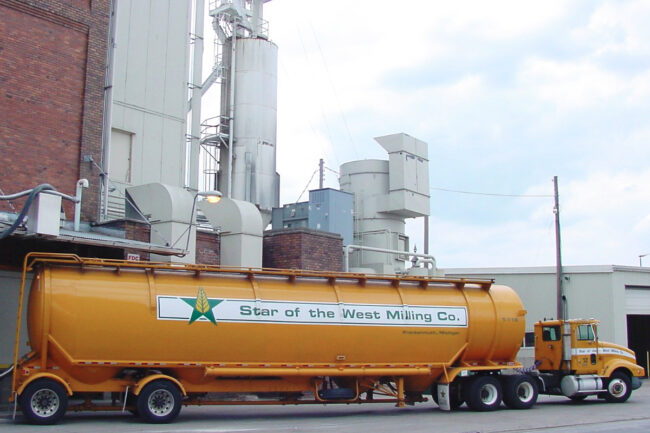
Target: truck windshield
column 551, row 333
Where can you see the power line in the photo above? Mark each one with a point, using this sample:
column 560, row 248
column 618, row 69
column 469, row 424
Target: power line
column 336, row 96
column 492, row 194
column 333, row 171
column 307, row 186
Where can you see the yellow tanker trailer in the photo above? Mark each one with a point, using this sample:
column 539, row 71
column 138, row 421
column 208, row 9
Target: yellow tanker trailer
column 158, row 336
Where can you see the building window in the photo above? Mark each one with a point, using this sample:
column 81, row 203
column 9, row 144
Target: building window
column 121, row 156
column 529, row 340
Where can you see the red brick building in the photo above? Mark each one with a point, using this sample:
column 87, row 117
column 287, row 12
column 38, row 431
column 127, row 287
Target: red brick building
column 303, row 248
column 52, row 64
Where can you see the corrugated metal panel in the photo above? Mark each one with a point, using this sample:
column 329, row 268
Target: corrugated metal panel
column 637, row 301
column 331, row 210
column 291, row 216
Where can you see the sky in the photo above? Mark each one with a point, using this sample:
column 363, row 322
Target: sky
column 507, row 94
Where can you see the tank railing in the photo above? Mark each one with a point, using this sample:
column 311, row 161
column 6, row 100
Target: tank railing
column 33, row 258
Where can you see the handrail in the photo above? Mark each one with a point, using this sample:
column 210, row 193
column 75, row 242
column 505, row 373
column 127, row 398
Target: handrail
column 33, row 258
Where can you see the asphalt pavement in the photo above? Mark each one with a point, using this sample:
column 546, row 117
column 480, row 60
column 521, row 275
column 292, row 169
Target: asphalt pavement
column 551, row 414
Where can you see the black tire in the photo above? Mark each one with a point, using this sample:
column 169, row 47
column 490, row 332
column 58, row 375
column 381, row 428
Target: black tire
column 159, row 402
column 619, row 388
column 482, row 393
column 520, row 391
column 43, row 402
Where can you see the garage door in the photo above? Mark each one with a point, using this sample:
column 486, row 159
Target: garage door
column 637, row 300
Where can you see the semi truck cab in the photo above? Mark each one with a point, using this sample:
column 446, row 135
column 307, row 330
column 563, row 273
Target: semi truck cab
column 572, row 361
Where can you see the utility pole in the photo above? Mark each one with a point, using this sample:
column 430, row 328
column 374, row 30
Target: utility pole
column 322, row 173
column 561, row 297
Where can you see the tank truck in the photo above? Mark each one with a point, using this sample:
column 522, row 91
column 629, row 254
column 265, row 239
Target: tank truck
column 156, row 336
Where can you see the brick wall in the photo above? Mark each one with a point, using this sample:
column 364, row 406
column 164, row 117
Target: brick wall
column 303, row 248
column 133, row 230
column 52, row 62
column 208, row 248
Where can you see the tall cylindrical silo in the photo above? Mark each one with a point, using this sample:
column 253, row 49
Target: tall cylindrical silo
column 253, row 173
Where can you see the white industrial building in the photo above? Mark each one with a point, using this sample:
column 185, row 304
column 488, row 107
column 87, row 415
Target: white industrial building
column 618, row 296
column 148, row 105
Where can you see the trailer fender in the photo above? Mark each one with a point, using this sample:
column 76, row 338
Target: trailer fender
column 48, row 376
column 145, row 380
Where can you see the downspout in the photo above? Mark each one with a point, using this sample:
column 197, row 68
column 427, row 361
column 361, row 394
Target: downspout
column 108, row 114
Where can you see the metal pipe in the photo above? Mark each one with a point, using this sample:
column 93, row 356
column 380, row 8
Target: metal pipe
column 562, row 308
column 108, row 114
column 641, row 256
column 317, row 371
column 195, row 104
column 426, row 234
column 347, row 248
column 430, row 261
column 81, row 184
column 231, row 114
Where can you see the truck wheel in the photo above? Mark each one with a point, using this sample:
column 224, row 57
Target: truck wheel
column 43, row 402
column 618, row 388
column 159, row 402
column 519, row 391
column 483, row 393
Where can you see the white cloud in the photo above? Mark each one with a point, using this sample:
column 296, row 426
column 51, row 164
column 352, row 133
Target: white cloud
column 506, row 93
column 617, row 27
column 570, row 85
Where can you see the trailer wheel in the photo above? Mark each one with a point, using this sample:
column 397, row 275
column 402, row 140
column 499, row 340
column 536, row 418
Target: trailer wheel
column 618, row 388
column 43, row 402
column 519, row 391
column 159, row 402
column 483, row 393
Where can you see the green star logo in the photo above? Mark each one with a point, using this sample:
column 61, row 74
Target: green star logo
column 202, row 306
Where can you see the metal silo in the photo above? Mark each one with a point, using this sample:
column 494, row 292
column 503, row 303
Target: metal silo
column 255, row 118
column 248, row 64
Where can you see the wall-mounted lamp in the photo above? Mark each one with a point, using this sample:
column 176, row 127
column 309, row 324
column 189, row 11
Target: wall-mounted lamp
column 211, row 197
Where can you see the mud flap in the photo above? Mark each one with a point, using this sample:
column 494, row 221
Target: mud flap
column 443, row 397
